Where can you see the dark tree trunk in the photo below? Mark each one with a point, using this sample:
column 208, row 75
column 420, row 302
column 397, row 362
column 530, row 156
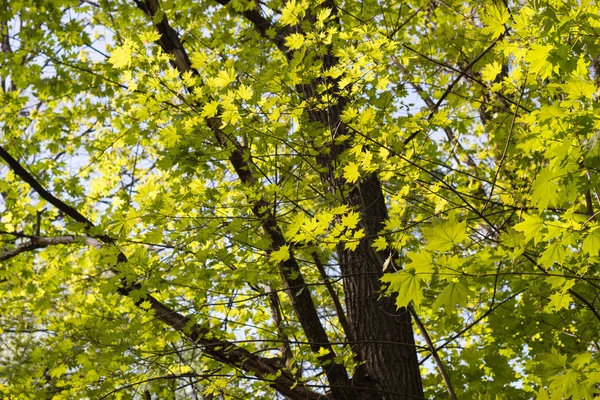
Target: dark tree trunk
column 383, row 334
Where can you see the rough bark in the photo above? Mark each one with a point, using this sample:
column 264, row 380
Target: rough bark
column 384, row 335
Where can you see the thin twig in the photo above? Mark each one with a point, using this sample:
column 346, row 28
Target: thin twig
column 452, row 84
column 505, row 151
column 434, row 354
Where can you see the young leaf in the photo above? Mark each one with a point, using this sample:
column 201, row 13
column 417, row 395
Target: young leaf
column 545, row 190
column 531, row 227
column 351, row 173
column 559, row 301
column 443, row 236
column 491, row 70
column 422, row 264
column 494, row 19
column 294, row 41
column 591, row 244
column 282, row 254
column 407, row 288
column 455, row 293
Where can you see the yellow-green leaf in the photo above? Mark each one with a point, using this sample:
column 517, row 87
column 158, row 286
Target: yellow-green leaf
column 294, row 41
column 350, row 220
column 578, row 88
column 407, row 286
column 224, row 78
column 380, row 243
column 282, row 254
column 591, row 244
column 542, row 395
column 351, row 173
column 121, row 56
column 444, row 236
column 494, row 19
column 531, row 226
column 58, row 371
column 421, row 263
column 545, row 190
column 245, row 92
column 554, row 253
column 491, row 71
column 558, row 301
column 455, row 293
column 537, row 58
column 292, row 12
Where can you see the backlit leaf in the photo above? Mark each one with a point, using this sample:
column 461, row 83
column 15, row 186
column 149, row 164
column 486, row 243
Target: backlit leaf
column 406, row 286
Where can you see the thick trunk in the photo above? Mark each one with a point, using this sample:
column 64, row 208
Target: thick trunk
column 383, row 334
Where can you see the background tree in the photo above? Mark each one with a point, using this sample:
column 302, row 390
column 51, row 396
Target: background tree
column 207, row 199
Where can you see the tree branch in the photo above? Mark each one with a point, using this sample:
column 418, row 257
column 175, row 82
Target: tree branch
column 221, row 350
column 434, row 354
column 465, row 74
column 462, row 73
column 341, row 314
column 262, row 25
column 290, row 272
column 39, row 242
column 284, row 348
column 431, row 105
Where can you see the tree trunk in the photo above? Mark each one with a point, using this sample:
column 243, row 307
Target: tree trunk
column 383, row 334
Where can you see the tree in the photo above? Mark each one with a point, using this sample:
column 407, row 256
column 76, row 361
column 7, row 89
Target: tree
column 262, row 199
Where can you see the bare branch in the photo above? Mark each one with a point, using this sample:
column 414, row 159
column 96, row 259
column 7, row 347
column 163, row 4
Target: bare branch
column 38, row 242
column 284, row 348
column 341, row 314
column 434, row 353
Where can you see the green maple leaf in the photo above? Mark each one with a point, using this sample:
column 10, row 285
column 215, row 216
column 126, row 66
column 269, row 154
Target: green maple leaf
column 531, row 226
column 455, row 293
column 380, row 243
column 545, row 190
column 58, row 371
column 406, row 286
column 577, row 88
column 494, row 19
column 444, row 236
column 351, row 173
column 591, row 244
column 558, row 301
column 491, row 70
column 294, row 41
column 121, row 56
column 282, row 254
column 554, row 360
column 538, row 59
column 542, row 395
column 555, row 252
column 422, row 264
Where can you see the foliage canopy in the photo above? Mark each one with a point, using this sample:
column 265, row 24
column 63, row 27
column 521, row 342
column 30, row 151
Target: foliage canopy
column 260, row 199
